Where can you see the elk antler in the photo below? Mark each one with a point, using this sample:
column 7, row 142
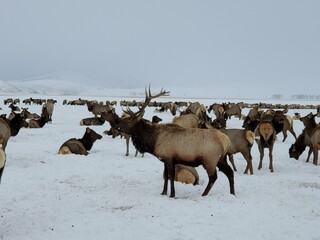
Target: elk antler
column 147, row 100
column 149, row 97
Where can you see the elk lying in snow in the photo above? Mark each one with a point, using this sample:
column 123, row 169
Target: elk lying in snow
column 96, row 121
column 189, row 120
column 39, row 122
column 186, row 174
column 25, row 114
column 98, row 109
column 2, row 161
column 81, row 145
column 267, row 136
column 173, row 144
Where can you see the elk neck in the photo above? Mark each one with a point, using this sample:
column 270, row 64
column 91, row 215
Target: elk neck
column 144, row 135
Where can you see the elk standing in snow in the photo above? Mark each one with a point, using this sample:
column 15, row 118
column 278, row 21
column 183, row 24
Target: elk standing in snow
column 173, row 144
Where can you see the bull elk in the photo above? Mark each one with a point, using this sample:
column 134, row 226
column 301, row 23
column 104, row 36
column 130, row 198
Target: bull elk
column 173, row 144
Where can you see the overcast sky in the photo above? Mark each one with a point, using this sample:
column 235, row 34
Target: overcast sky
column 235, row 45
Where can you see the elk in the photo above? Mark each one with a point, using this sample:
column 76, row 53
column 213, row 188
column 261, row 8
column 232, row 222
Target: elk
column 10, row 128
column 81, row 145
column 232, row 110
column 47, row 110
column 315, row 141
column 312, row 129
column 97, row 121
column 39, row 122
column 241, row 141
column 112, row 117
column 98, row 109
column 298, row 147
column 173, row 144
column 267, row 136
column 217, row 109
column 25, row 114
column 14, row 108
column 15, row 123
column 282, row 122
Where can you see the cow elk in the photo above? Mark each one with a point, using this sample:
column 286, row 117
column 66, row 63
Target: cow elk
column 266, row 137
column 80, row 146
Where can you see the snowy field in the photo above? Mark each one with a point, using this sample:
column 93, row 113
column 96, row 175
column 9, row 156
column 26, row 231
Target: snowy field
column 107, row 195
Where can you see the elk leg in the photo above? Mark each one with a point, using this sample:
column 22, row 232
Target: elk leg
column 271, row 158
column 212, row 178
column 292, row 132
column 232, row 162
column 248, row 158
column 127, row 144
column 1, row 172
column 171, row 174
column 315, row 155
column 309, row 153
column 261, row 150
column 165, row 180
column 285, row 135
column 227, row 170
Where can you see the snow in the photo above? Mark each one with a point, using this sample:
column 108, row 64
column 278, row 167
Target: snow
column 107, row 195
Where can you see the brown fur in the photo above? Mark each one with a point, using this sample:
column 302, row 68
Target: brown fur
column 186, row 174
column 82, row 145
column 98, row 109
column 187, row 120
column 73, row 146
column 97, row 121
column 241, row 141
column 315, row 141
column 267, row 138
column 47, row 110
column 5, row 133
column 2, row 161
column 27, row 115
column 173, row 144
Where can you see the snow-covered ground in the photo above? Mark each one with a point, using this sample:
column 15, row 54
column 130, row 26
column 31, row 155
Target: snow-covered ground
column 107, row 195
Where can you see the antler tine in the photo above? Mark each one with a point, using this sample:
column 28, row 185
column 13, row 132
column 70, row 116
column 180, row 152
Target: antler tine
column 128, row 111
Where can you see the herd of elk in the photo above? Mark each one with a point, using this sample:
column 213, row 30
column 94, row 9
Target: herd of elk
column 189, row 140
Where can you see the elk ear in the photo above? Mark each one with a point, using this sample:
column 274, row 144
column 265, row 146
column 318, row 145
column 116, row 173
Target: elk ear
column 88, row 129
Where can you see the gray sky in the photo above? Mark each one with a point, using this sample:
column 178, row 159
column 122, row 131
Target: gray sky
column 234, row 45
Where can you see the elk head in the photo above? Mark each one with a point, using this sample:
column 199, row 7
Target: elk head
column 127, row 124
